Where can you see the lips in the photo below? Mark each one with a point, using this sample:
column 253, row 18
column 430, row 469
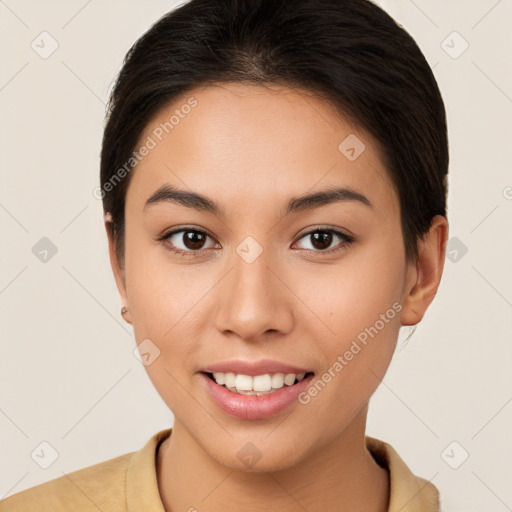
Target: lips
column 255, row 389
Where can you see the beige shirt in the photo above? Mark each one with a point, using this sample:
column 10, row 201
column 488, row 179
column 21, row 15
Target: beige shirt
column 129, row 483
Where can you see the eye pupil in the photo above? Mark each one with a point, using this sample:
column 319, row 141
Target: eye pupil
column 321, row 239
column 193, row 240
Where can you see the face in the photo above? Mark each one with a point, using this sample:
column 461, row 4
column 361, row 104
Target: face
column 257, row 280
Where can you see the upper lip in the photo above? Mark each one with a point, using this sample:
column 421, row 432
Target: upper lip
column 261, row 367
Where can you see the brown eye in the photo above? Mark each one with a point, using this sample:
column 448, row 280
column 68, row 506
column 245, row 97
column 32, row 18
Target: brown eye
column 186, row 241
column 193, row 240
column 321, row 240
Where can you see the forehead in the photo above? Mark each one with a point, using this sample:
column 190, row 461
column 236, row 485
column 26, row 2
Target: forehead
column 257, row 142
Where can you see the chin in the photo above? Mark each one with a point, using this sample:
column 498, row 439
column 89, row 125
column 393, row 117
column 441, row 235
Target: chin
column 258, row 454
column 269, row 463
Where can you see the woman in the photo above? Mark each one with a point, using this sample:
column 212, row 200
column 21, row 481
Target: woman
column 273, row 176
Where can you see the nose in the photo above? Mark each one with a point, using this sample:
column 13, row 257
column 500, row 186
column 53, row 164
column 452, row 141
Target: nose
column 254, row 300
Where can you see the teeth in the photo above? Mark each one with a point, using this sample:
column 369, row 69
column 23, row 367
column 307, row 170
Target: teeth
column 243, row 382
column 289, row 379
column 261, row 382
column 219, row 378
column 257, row 385
column 278, row 380
column 229, row 380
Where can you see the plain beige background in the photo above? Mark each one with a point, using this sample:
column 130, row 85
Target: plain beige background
column 68, row 375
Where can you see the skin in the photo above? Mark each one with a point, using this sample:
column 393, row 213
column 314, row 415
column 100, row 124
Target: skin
column 252, row 148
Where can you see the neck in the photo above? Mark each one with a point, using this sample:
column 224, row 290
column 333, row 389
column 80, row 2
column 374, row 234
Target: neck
column 341, row 476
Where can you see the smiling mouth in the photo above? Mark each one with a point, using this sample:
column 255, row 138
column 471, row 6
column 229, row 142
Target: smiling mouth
column 258, row 385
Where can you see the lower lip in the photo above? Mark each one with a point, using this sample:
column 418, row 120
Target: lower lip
column 253, row 407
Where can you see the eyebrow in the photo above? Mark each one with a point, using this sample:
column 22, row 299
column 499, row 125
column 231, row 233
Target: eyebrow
column 169, row 193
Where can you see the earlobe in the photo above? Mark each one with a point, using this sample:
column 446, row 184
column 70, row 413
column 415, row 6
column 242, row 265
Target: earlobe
column 117, row 269
column 424, row 278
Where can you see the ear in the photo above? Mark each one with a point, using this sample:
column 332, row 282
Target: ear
column 424, row 276
column 117, row 269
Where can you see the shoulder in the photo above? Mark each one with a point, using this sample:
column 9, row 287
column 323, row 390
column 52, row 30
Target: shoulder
column 97, row 487
column 127, row 482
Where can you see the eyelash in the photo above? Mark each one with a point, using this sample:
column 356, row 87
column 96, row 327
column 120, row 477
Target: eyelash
column 347, row 240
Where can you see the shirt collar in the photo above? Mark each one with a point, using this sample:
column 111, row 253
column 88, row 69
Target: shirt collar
column 141, row 481
column 408, row 492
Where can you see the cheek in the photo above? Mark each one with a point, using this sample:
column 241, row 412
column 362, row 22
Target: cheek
column 357, row 319
column 164, row 302
column 161, row 293
column 351, row 295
